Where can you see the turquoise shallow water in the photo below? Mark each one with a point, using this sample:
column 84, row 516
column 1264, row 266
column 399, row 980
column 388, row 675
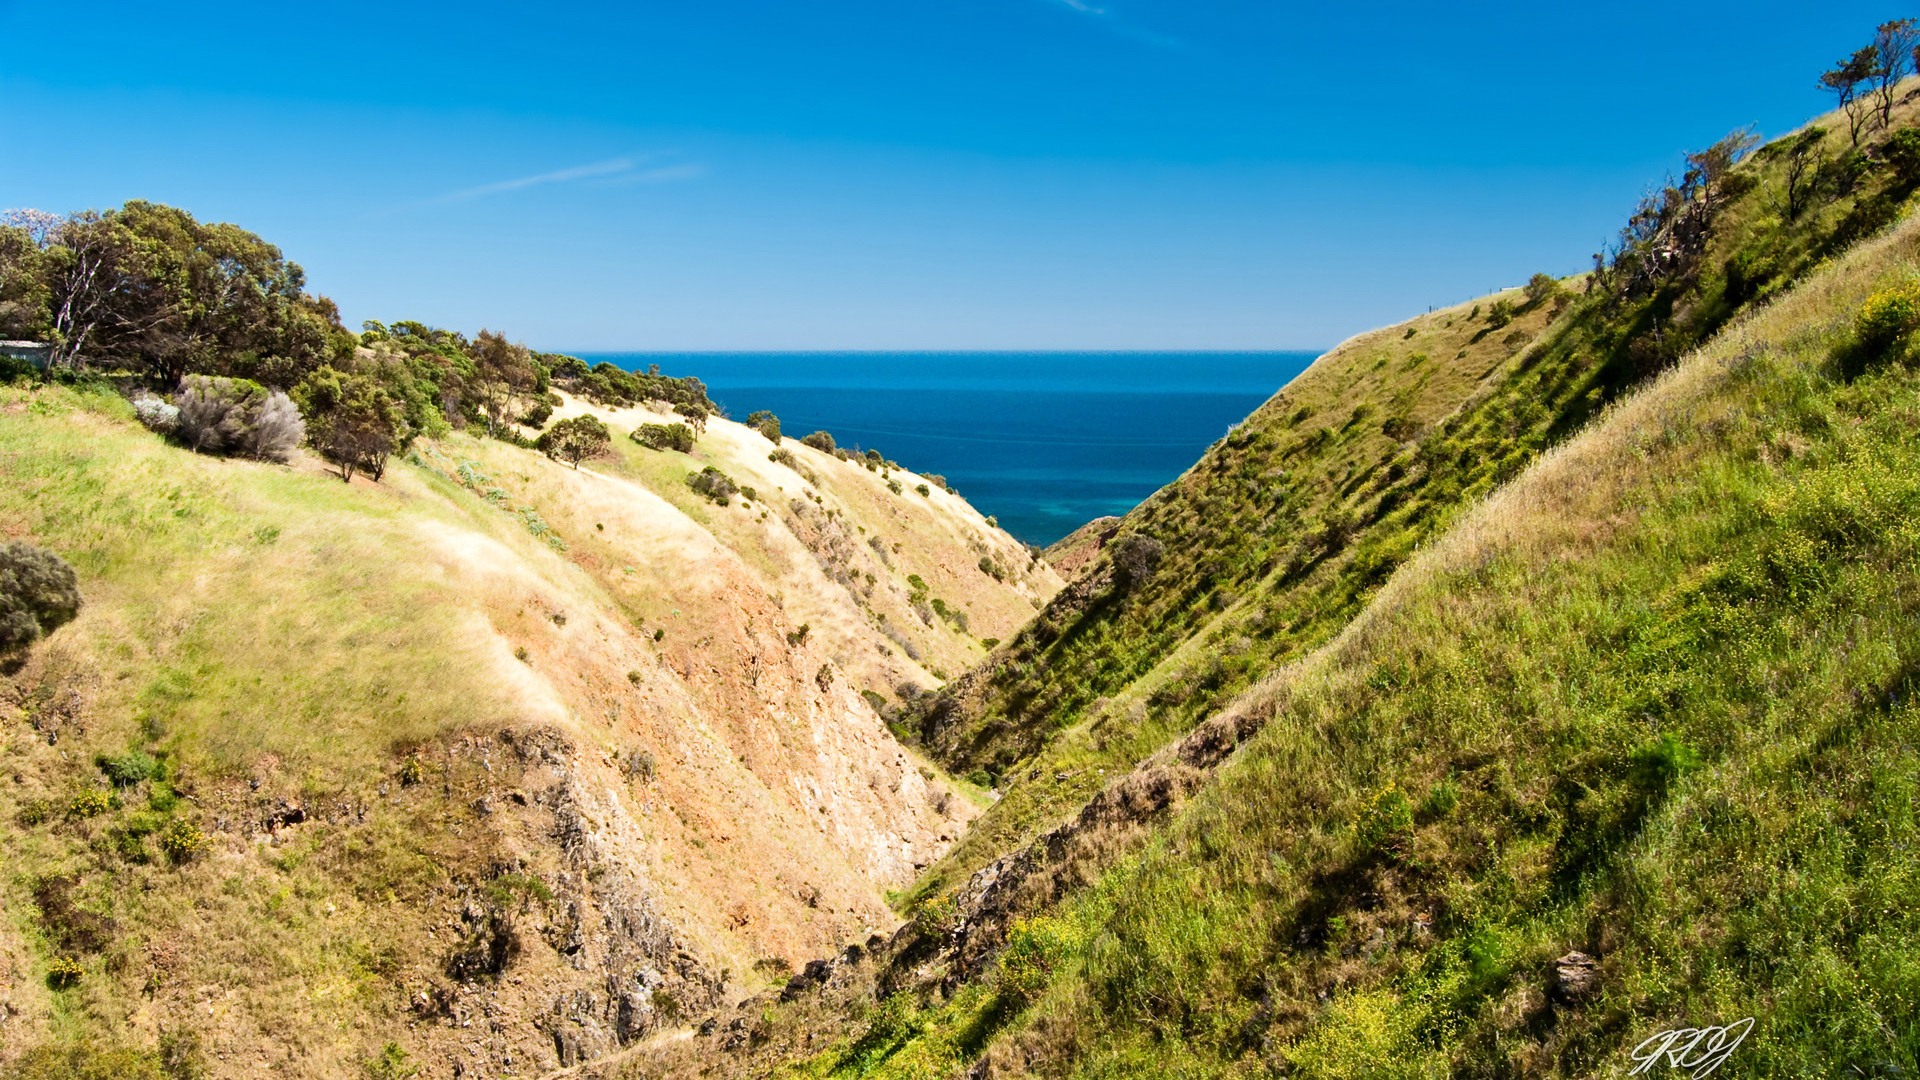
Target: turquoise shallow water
column 1043, row 441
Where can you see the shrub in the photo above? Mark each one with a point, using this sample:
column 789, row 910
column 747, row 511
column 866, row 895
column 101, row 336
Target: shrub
column 38, row 594
column 782, row 456
column 64, row 972
column 181, row 840
column 156, row 413
column 1499, row 314
column 237, row 416
column 1542, row 289
column 391, row 1063
column 1903, row 153
column 1887, row 321
column 923, row 489
column 1036, row 949
column 894, row 486
column 89, row 803
column 665, row 437
column 717, row 486
column 538, row 415
column 575, row 439
column 821, row 441
column 36, row 812
column 765, row 423
column 1135, row 557
column 129, row 768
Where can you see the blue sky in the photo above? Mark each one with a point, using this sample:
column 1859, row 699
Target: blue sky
column 1001, row 174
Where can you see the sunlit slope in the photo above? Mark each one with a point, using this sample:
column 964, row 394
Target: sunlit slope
column 1628, row 748
column 1281, row 533
column 488, row 738
column 1651, row 703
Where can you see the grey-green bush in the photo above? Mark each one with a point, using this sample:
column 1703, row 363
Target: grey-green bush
column 237, row 417
column 38, row 594
column 714, row 484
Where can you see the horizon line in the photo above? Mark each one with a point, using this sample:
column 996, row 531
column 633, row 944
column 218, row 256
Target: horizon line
column 937, row 352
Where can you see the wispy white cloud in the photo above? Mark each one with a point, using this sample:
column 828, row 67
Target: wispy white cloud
column 558, row 176
column 620, row 171
column 663, row 174
column 1116, row 25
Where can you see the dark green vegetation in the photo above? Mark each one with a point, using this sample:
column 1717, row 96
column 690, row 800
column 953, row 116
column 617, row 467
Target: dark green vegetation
column 218, row 318
column 38, row 595
column 575, row 439
column 664, row 437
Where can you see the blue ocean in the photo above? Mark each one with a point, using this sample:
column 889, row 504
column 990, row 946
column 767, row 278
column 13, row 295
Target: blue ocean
column 1043, row 441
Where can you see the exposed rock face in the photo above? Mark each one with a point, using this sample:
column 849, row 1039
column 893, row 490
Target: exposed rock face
column 1575, row 978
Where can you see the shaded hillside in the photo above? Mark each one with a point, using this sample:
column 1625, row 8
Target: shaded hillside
column 1284, row 529
column 500, row 762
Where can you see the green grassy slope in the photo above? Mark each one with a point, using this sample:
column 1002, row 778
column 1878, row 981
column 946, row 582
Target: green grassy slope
column 1285, row 529
column 1652, row 702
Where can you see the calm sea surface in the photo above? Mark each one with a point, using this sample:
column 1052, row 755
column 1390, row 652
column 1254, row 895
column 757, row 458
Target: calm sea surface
column 1044, row 441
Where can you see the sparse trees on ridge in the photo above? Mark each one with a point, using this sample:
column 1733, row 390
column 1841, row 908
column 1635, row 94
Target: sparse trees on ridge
column 1844, row 81
column 1804, row 160
column 504, row 374
column 1893, row 47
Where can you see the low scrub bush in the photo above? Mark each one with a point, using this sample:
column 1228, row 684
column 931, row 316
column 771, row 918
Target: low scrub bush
column 237, row 417
column 766, row 424
column 665, row 437
column 64, row 972
column 717, row 486
column 90, row 803
column 39, row 593
column 821, row 441
column 1884, row 328
column 181, row 840
column 155, row 413
column 128, row 769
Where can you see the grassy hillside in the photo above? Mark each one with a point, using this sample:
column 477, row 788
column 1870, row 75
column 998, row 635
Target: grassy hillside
column 497, row 762
column 1651, row 703
column 1285, row 529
